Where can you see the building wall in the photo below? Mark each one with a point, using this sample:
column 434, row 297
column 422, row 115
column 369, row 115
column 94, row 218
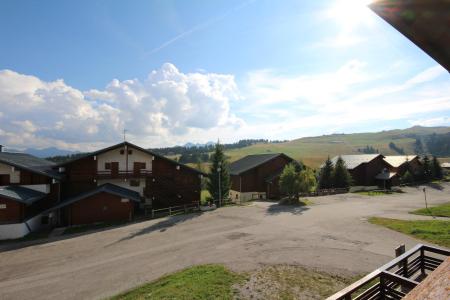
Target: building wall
column 364, row 174
column 238, row 197
column 115, row 156
column 126, row 184
column 80, row 176
column 102, row 207
column 11, row 211
column 254, row 180
column 12, row 172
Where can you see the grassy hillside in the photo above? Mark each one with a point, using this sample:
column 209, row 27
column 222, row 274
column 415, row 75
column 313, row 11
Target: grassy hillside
column 314, row 150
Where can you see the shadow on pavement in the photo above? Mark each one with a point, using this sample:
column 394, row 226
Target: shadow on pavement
column 294, row 209
column 161, row 226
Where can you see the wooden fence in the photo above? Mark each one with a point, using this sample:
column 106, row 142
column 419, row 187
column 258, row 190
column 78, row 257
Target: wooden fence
column 171, row 210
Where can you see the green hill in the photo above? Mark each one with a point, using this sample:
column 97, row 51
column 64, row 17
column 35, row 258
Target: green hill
column 314, row 150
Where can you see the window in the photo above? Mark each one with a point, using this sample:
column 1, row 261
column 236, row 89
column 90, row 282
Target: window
column 237, row 196
column 130, row 152
column 134, row 182
column 122, row 151
column 2, row 206
column 108, row 166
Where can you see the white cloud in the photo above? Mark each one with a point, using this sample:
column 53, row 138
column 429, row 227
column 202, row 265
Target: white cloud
column 439, row 121
column 161, row 109
column 284, row 106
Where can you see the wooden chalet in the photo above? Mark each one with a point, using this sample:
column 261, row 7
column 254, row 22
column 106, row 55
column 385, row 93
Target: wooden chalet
column 256, row 176
column 402, row 163
column 158, row 181
column 28, row 186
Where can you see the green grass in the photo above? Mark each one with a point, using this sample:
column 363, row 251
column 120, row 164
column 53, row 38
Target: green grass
column 434, row 231
column 199, row 282
column 376, row 193
column 437, row 211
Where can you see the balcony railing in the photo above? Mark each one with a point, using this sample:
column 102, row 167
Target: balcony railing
column 108, row 174
column 396, row 278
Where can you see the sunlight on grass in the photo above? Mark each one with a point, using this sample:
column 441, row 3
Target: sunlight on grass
column 437, row 211
column 434, row 231
column 199, row 282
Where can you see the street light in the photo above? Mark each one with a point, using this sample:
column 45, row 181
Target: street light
column 220, row 192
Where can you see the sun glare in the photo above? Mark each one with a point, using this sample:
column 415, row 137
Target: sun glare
column 350, row 13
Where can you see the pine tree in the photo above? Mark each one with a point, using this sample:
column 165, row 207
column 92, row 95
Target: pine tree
column 326, row 175
column 427, row 169
column 219, row 161
column 341, row 176
column 436, row 168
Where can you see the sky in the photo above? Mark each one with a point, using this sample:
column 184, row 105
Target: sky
column 75, row 74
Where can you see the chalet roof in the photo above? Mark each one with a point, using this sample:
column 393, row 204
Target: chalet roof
column 100, row 151
column 30, row 163
column 352, row 161
column 251, row 161
column 21, row 194
column 106, row 188
column 425, row 23
column 398, row 160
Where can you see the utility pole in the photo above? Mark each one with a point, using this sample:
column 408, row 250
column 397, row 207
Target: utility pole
column 220, row 192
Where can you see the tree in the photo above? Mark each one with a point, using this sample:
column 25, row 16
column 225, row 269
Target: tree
column 307, row 180
column 407, row 178
column 326, row 175
column 427, row 171
column 436, row 168
column 289, row 182
column 341, row 176
column 219, row 165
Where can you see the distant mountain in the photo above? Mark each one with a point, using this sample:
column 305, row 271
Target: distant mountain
column 47, row 152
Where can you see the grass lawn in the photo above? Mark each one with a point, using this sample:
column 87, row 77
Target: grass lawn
column 376, row 193
column 434, row 231
column 199, row 282
column 437, row 211
column 217, row 282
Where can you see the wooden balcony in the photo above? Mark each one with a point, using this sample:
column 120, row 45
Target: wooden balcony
column 397, row 278
column 108, row 174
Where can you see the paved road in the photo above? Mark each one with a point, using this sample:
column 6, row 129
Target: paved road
column 332, row 235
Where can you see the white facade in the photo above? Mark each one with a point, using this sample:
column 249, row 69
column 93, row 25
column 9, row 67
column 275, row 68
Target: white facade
column 238, row 197
column 115, row 156
column 14, row 174
column 18, row 230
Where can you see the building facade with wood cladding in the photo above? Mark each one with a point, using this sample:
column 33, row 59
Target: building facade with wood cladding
column 28, row 186
column 256, row 176
column 377, row 169
column 160, row 182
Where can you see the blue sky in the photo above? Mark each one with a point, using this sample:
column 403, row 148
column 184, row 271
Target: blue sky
column 73, row 74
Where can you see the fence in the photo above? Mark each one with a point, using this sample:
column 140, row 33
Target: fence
column 396, row 278
column 324, row 192
column 171, row 210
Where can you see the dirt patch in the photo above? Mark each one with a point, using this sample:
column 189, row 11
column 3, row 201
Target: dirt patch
column 290, row 282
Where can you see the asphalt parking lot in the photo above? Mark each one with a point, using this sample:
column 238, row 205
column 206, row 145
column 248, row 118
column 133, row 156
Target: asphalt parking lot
column 332, row 234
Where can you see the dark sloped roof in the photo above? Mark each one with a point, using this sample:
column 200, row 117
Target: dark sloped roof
column 251, row 161
column 30, row 163
column 106, row 188
column 352, row 161
column 21, row 194
column 133, row 146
